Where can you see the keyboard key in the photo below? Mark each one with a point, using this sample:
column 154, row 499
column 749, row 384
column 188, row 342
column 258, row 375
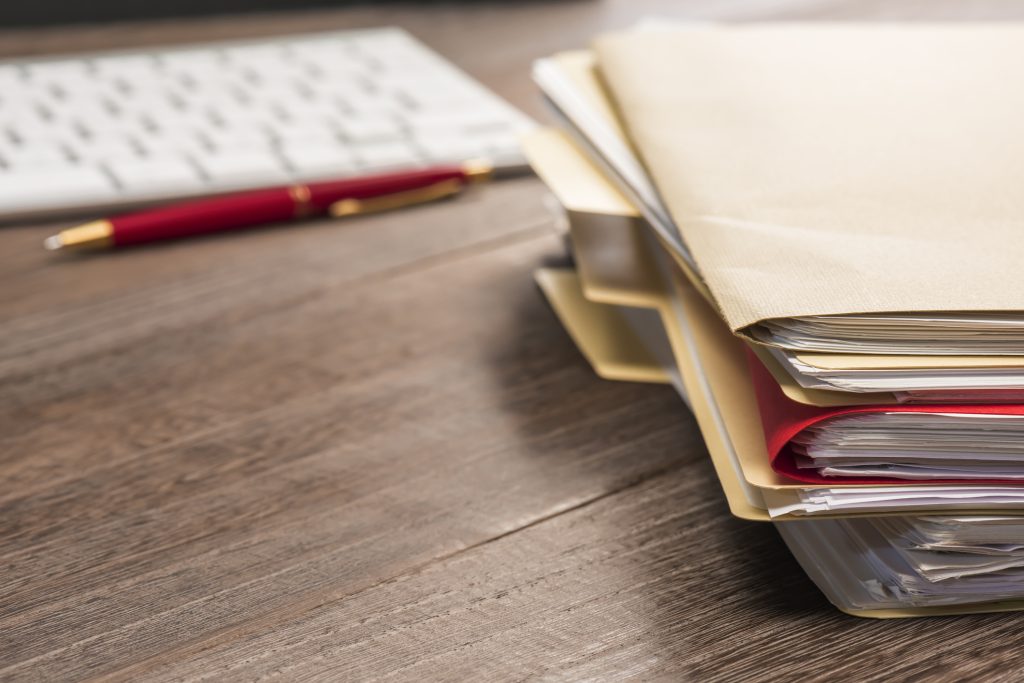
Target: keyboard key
column 389, row 109
column 161, row 147
column 191, row 58
column 93, row 114
column 180, row 124
column 387, row 155
column 432, row 92
column 448, row 148
column 62, row 75
column 241, row 139
column 46, row 154
column 34, row 130
column 433, row 121
column 319, row 161
column 54, row 187
column 108, row 148
column 369, row 130
column 244, row 168
column 157, row 176
column 75, row 92
column 11, row 79
column 315, row 130
column 118, row 128
column 239, row 118
column 127, row 66
column 261, row 55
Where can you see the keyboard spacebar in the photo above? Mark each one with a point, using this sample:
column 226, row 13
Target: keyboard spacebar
column 54, row 188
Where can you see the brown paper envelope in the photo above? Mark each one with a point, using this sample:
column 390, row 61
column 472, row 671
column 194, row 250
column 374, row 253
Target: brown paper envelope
column 834, row 169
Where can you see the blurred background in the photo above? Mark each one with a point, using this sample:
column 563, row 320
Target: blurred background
column 43, row 12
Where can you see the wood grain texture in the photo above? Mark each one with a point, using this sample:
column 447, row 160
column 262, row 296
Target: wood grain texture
column 368, row 451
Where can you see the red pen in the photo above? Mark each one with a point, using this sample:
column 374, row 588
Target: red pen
column 346, row 197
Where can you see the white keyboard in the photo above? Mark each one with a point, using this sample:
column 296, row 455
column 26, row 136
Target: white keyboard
column 119, row 129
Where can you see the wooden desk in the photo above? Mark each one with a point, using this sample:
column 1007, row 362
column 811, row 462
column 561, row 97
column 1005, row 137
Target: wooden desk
column 369, row 450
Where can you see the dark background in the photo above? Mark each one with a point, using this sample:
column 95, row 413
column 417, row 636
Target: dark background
column 41, row 12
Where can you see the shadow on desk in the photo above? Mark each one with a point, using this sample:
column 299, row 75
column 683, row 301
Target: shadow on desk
column 651, row 550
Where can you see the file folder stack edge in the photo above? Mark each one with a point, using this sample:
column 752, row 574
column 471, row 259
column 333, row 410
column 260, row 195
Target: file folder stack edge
column 638, row 309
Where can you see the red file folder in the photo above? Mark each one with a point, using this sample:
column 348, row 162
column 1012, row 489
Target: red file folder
column 783, row 418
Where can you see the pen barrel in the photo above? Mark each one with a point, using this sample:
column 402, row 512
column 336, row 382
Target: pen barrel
column 205, row 216
column 322, row 195
column 274, row 205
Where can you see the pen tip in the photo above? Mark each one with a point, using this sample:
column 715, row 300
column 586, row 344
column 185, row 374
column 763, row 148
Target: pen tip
column 53, row 243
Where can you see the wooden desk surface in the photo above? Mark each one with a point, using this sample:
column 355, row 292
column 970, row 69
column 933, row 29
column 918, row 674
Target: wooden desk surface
column 369, row 450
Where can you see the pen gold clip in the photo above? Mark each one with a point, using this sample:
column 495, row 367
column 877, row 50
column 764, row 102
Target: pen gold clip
column 352, row 207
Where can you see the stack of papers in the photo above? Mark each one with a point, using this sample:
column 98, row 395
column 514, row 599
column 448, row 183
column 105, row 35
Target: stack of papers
column 864, row 564
column 933, row 334
column 983, row 535
column 914, row 445
column 821, row 263
column 909, row 378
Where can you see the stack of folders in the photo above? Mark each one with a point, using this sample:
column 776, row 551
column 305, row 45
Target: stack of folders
column 814, row 233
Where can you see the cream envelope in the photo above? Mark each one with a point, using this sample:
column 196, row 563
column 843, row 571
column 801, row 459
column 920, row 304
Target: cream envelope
column 825, row 170
column 576, row 73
